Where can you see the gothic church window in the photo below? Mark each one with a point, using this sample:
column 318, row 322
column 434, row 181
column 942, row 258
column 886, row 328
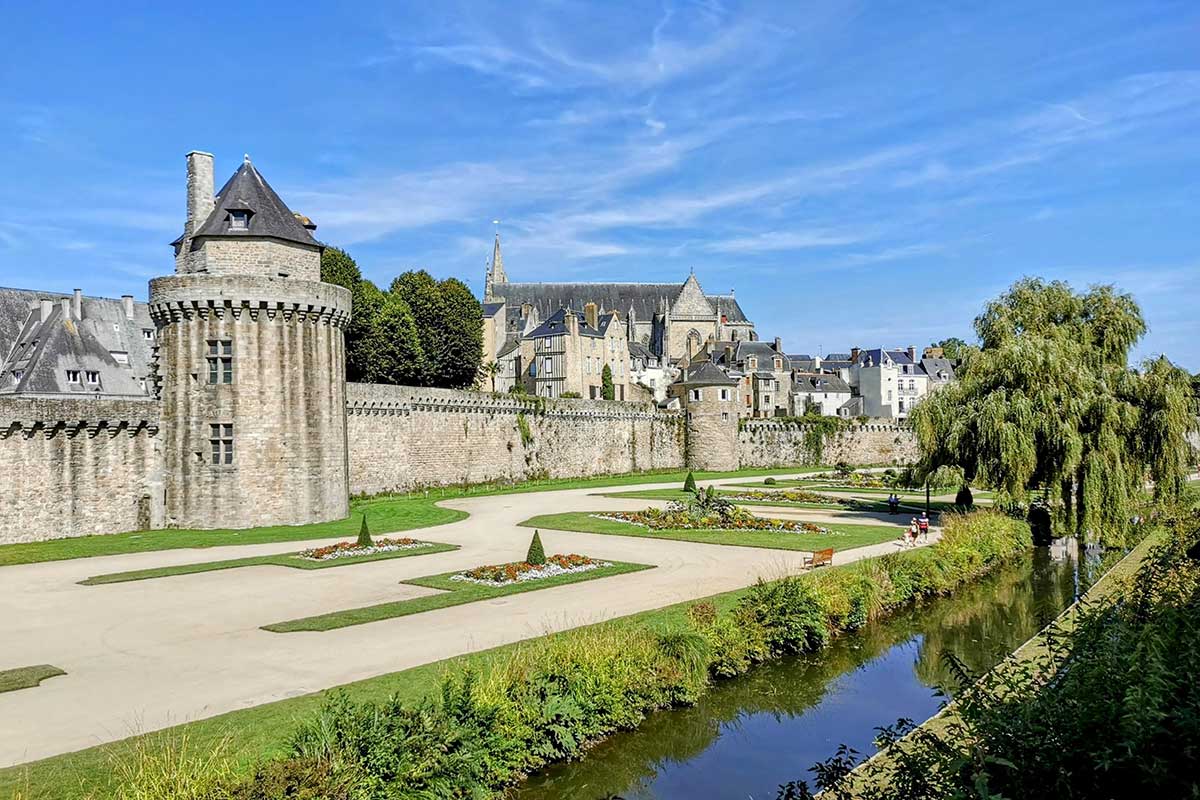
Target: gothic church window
column 220, row 361
column 220, row 438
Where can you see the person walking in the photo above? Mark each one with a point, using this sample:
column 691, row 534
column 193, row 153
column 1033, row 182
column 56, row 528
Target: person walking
column 923, row 525
column 913, row 529
column 893, row 503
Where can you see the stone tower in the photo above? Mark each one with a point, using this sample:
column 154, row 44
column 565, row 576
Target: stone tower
column 709, row 398
column 496, row 277
column 251, row 362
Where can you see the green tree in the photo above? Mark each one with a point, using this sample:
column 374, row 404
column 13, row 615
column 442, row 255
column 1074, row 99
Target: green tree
column 391, row 346
column 364, row 534
column 607, row 390
column 952, row 348
column 360, row 344
column 1048, row 406
column 448, row 320
column 689, row 483
column 489, row 371
column 338, row 268
column 536, row 554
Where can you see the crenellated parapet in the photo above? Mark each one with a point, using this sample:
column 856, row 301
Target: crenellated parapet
column 70, row 417
column 179, row 298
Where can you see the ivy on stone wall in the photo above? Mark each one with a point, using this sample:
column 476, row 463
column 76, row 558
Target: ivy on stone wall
column 523, row 429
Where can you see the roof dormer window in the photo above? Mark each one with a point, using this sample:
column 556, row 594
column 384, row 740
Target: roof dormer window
column 239, row 220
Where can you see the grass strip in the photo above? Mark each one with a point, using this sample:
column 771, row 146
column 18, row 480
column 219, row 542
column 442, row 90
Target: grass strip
column 843, row 537
column 27, row 677
column 863, row 505
column 280, row 560
column 391, row 513
column 454, row 593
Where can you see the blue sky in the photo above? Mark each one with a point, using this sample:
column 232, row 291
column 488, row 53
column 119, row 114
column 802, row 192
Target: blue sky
column 863, row 174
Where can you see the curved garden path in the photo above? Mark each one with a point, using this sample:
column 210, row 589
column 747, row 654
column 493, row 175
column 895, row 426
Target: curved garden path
column 145, row 655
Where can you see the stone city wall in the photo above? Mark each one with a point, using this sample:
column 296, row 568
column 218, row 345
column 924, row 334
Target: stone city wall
column 771, row 444
column 401, row 438
column 78, row 466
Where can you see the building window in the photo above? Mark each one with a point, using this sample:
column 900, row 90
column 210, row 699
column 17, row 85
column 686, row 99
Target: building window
column 889, row 395
column 751, row 363
column 724, row 394
column 239, row 220
column 148, row 334
column 93, row 377
column 17, row 373
column 724, row 416
column 220, row 361
column 766, row 399
column 547, row 366
column 72, row 376
column 695, row 394
column 119, row 357
column 778, row 364
column 587, row 366
column 220, row 437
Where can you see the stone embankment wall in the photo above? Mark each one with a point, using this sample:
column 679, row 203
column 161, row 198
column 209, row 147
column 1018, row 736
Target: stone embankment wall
column 773, row 444
column 401, row 438
column 73, row 467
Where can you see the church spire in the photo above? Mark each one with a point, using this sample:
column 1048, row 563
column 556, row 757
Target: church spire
column 495, row 273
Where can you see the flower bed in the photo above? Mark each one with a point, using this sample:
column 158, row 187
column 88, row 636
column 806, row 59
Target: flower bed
column 520, row 571
column 353, row 549
column 794, row 496
column 673, row 518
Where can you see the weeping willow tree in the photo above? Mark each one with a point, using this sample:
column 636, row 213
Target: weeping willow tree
column 1048, row 407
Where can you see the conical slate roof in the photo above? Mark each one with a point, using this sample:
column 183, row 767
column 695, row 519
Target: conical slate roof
column 248, row 190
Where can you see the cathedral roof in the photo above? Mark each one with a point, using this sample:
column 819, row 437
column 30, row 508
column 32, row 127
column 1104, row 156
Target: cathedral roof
column 645, row 299
column 249, row 191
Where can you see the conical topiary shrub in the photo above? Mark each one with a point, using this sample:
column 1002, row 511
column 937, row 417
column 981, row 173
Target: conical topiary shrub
column 364, row 535
column 536, row 554
column 689, row 484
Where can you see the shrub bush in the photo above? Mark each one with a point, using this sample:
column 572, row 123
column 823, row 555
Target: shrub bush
column 964, row 500
column 689, row 483
column 536, row 555
column 364, row 534
column 769, row 481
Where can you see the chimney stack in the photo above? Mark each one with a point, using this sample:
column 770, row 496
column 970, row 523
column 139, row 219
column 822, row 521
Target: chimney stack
column 778, row 345
column 46, row 310
column 854, row 351
column 912, row 353
column 592, row 314
column 77, row 305
column 572, row 323
column 728, row 355
column 127, row 304
column 66, row 308
column 199, row 189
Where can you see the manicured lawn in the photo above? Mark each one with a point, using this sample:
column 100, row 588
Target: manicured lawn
column 281, row 560
column 454, row 593
column 386, row 513
column 26, row 677
column 844, row 537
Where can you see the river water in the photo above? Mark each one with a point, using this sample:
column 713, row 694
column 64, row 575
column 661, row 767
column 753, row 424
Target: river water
column 750, row 734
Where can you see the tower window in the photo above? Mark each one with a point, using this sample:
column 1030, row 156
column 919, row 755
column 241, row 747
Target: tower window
column 148, row 334
column 695, row 394
column 220, row 437
column 239, row 220
column 220, row 361
column 72, row 376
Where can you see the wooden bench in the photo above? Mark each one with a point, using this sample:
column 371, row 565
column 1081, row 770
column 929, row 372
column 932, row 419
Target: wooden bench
column 821, row 558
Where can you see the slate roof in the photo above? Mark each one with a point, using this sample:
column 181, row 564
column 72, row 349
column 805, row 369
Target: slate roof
column 876, row 357
column 853, row 407
column 640, row 351
column 706, row 374
column 556, row 325
column 41, row 347
column 819, row 382
column 833, row 366
column 645, row 299
column 837, row 357
column 248, row 190
column 934, row 365
column 490, row 309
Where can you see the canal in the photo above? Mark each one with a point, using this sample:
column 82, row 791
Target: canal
column 751, row 734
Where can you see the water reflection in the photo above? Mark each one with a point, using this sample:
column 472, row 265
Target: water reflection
column 751, row 734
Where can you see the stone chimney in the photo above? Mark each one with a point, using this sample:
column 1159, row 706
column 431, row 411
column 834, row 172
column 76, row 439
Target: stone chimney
column 199, row 190
column 912, row 353
column 47, row 308
column 526, row 308
column 127, row 305
column 572, row 321
column 77, row 305
column 592, row 314
column 778, row 345
column 729, row 355
column 66, row 308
